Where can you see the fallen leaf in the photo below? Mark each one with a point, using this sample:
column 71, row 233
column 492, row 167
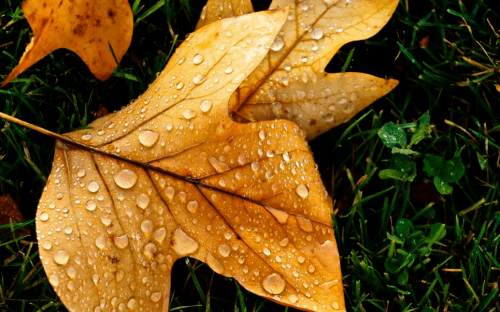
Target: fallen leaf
column 87, row 27
column 216, row 10
column 290, row 83
column 9, row 213
column 171, row 175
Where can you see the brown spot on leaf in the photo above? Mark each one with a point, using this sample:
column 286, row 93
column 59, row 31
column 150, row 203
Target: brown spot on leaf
column 79, row 30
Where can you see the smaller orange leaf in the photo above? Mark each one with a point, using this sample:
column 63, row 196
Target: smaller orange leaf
column 215, row 10
column 86, row 27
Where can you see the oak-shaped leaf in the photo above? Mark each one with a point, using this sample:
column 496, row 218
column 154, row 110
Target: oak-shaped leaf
column 291, row 83
column 93, row 29
column 171, row 175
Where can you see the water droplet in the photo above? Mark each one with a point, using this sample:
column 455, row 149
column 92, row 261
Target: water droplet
column 150, row 250
column 61, row 257
column 54, row 280
column 188, row 114
column 353, row 97
column 328, row 117
column 121, row 241
column 229, row 34
column 126, row 178
column 148, row 138
column 305, row 224
column 106, row 220
column 181, row 60
column 228, row 70
column 286, row 157
column 224, row 250
column 100, row 242
column 205, row 105
column 93, row 186
column 160, row 234
column 90, row 205
column 71, row 285
column 330, row 2
column 183, row 244
column 255, row 166
column 169, row 192
column 317, row 33
column 287, row 66
column 277, row 44
column 336, row 305
column 44, row 216
column 198, row 79
column 302, row 191
column 155, row 297
column 87, row 137
column 143, row 201
column 266, row 251
column 293, row 298
column 131, row 303
column 192, row 206
column 147, row 226
column 262, row 134
column 214, row 264
column 218, row 166
column 120, row 274
column 270, row 153
column 374, row 88
column 274, row 284
column 301, row 259
column 284, row 242
column 71, row 272
column 47, row 245
column 303, row 59
column 81, row 173
column 95, row 278
column 198, row 59
column 311, row 268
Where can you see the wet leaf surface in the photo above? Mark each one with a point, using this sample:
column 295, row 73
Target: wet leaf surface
column 171, row 175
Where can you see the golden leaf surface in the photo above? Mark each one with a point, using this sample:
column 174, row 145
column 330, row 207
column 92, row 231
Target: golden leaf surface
column 216, row 10
column 290, row 83
column 86, row 27
column 171, row 175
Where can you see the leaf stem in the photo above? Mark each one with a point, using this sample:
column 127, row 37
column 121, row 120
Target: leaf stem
column 33, row 127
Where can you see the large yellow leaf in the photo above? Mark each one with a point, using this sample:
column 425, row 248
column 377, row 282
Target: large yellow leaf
column 87, row 27
column 171, row 175
column 290, row 83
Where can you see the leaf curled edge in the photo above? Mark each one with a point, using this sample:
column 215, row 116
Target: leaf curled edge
column 171, row 175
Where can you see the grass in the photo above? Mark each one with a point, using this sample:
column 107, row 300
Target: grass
column 403, row 245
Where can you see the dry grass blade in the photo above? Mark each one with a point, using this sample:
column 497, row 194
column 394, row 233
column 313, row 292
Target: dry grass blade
column 171, row 175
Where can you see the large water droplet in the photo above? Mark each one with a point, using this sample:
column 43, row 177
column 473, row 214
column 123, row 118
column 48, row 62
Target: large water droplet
column 188, row 114
column 205, row 105
column 274, row 284
column 90, row 205
column 121, row 241
column 293, row 298
column 198, row 59
column 143, row 201
column 277, row 44
column 54, row 280
column 147, row 226
column 228, row 70
column 155, row 297
column 150, row 250
column 148, row 138
column 302, row 191
column 183, row 244
column 87, row 137
column 126, row 178
column 317, row 33
column 81, row 173
column 71, row 272
column 61, row 257
column 224, row 250
column 198, row 79
column 44, row 216
column 192, row 206
column 93, row 186
column 160, row 234
column 100, row 242
column 255, row 166
column 218, row 166
column 47, row 245
column 169, row 192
